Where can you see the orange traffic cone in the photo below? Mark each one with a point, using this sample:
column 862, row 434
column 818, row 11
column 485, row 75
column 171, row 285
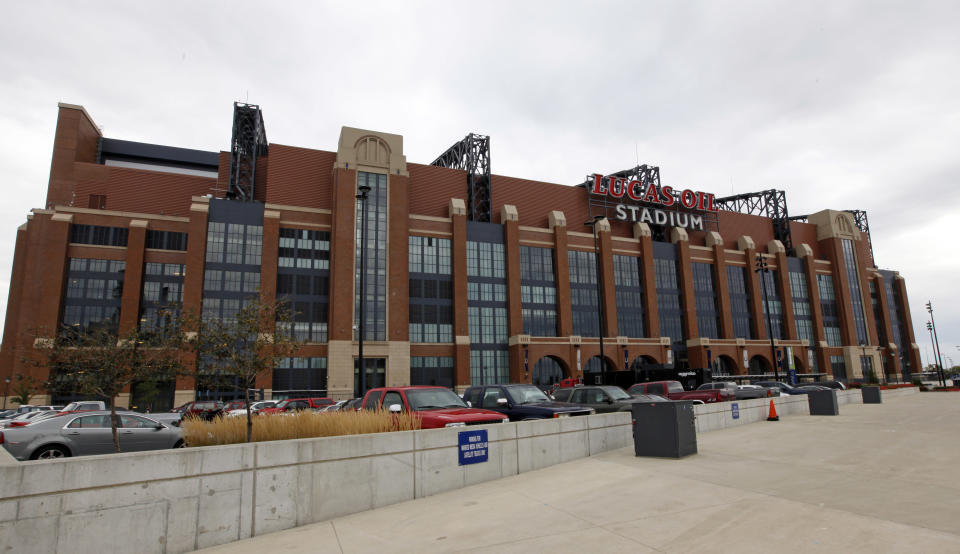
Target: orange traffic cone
column 773, row 413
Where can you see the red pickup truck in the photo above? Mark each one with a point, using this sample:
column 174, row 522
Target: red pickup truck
column 674, row 391
column 437, row 406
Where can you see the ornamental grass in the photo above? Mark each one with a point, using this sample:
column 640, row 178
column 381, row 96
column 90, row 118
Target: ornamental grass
column 298, row 425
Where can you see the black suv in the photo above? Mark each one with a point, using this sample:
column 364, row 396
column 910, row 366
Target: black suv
column 521, row 402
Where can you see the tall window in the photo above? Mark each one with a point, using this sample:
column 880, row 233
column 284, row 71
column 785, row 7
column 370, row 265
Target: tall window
column 375, row 319
column 232, row 269
column 878, row 313
column 856, row 299
column 706, row 300
column 629, row 292
column 801, row 307
column 828, row 306
column 897, row 323
column 162, row 295
column 487, row 304
column 93, row 296
column 431, row 290
column 768, row 280
column 303, row 281
column 739, row 302
column 668, row 295
column 538, row 291
column 584, row 293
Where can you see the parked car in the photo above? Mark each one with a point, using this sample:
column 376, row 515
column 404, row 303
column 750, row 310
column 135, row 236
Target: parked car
column 831, row 384
column 21, row 419
column 814, row 387
column 84, row 406
column 353, row 404
column 735, row 390
column 203, row 409
column 601, row 398
column 521, row 402
column 784, row 388
column 675, row 391
column 86, row 433
column 255, row 408
column 297, row 404
column 437, row 406
column 755, row 391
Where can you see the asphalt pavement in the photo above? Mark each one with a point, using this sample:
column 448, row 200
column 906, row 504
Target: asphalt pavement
column 877, row 478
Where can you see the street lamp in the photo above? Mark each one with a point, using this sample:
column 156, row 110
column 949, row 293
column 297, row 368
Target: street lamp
column 762, row 269
column 596, row 257
column 362, row 190
column 6, row 391
column 932, row 327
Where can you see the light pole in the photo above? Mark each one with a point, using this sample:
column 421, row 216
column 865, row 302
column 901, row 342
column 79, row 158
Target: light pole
column 936, row 342
column 762, row 270
column 362, row 190
column 6, row 391
column 596, row 257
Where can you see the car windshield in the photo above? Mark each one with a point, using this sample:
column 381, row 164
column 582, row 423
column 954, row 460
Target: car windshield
column 432, row 399
column 527, row 394
column 674, row 386
column 616, row 393
column 282, row 404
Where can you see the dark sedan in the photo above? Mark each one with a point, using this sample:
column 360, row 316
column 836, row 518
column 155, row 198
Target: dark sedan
column 602, row 399
column 87, row 433
column 521, row 402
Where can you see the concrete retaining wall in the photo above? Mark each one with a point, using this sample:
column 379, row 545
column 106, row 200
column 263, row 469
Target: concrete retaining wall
column 711, row 417
column 180, row 500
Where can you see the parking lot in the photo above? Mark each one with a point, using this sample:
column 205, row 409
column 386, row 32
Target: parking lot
column 877, row 478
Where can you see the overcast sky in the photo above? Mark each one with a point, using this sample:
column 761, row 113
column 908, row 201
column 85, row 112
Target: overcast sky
column 844, row 105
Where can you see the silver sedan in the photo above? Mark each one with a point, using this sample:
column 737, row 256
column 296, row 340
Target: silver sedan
column 87, row 433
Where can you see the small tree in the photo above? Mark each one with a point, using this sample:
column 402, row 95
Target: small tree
column 23, row 389
column 102, row 364
column 234, row 351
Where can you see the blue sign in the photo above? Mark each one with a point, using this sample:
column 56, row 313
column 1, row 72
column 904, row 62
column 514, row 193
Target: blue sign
column 472, row 447
column 735, row 410
column 793, row 377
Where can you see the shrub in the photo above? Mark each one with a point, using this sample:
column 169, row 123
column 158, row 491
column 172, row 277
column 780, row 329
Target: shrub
column 299, row 425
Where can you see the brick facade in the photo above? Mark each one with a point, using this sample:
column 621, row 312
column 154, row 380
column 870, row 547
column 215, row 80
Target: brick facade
column 315, row 190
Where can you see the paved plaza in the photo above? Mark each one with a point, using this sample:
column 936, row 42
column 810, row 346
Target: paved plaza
column 876, row 478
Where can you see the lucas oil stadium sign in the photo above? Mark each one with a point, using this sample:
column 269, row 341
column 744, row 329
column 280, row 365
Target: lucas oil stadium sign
column 647, row 203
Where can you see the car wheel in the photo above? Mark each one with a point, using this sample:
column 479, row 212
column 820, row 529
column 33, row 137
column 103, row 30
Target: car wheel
column 180, row 444
column 51, row 452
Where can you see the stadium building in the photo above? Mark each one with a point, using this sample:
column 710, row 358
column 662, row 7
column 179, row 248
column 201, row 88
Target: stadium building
column 470, row 277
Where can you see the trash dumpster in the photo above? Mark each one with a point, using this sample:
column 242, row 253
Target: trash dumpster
column 823, row 402
column 871, row 395
column 664, row 429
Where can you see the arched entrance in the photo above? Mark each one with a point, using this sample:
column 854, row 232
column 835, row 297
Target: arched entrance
column 592, row 371
column 723, row 366
column 759, row 366
column 547, row 372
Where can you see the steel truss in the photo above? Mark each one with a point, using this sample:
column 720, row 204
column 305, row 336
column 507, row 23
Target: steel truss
column 248, row 142
column 472, row 154
column 770, row 203
column 648, row 175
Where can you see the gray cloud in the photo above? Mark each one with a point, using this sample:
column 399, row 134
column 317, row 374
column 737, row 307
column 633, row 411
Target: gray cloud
column 841, row 104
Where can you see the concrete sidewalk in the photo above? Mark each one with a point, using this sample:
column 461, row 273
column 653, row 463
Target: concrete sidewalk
column 877, row 478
